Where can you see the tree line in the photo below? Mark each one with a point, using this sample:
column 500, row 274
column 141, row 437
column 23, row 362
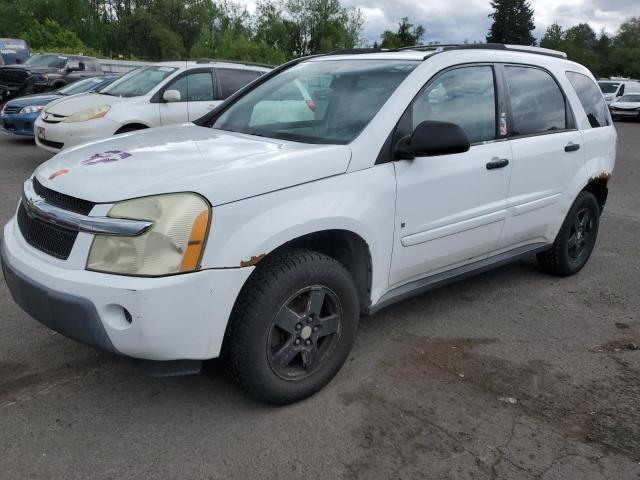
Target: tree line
column 278, row 30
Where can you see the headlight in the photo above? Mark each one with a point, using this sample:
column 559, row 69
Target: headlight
column 173, row 245
column 89, row 114
column 32, row 109
column 40, row 78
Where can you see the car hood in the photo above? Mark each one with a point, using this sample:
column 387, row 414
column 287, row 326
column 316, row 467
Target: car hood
column 70, row 105
column 626, row 104
column 32, row 68
column 222, row 166
column 34, row 100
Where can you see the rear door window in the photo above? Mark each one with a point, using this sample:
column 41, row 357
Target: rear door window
column 232, row 80
column 591, row 98
column 537, row 103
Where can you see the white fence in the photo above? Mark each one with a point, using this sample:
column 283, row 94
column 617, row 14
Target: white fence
column 120, row 66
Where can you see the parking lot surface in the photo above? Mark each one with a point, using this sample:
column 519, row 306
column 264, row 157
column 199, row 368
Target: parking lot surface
column 511, row 374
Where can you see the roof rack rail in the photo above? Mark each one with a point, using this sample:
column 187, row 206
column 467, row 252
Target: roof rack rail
column 437, row 48
column 356, row 51
column 238, row 62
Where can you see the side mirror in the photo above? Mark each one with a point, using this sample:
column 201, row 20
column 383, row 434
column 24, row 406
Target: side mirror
column 171, row 96
column 431, row 139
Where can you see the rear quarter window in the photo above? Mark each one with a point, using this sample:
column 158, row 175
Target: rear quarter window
column 591, row 99
column 537, row 103
column 232, row 80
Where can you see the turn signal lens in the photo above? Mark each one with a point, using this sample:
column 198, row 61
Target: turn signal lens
column 196, row 242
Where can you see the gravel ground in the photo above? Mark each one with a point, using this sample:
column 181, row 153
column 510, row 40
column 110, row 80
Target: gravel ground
column 512, row 374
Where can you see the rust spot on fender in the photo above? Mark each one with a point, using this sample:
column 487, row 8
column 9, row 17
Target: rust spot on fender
column 252, row 261
column 601, row 176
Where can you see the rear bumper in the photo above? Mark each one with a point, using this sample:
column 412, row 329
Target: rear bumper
column 179, row 317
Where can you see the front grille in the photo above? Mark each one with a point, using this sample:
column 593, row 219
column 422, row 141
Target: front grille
column 61, row 200
column 12, row 77
column 49, row 143
column 52, row 118
column 47, row 238
column 11, row 109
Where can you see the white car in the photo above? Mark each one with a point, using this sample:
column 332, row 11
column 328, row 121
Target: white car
column 613, row 90
column 263, row 238
column 165, row 94
column 628, row 107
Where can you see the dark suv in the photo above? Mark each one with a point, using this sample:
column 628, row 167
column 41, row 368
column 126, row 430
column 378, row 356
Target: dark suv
column 44, row 72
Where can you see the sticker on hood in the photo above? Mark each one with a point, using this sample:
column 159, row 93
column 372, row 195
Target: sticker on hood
column 106, row 157
column 57, row 173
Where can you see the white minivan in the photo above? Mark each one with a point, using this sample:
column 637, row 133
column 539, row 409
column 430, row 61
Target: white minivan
column 614, row 89
column 327, row 189
column 163, row 94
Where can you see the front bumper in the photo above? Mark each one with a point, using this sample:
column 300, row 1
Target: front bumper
column 18, row 123
column 58, row 136
column 168, row 318
column 625, row 114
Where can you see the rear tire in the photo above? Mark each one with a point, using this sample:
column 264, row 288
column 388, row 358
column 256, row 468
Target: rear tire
column 575, row 241
column 292, row 327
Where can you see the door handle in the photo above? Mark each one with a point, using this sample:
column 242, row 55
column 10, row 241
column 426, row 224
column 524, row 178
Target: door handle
column 572, row 147
column 497, row 163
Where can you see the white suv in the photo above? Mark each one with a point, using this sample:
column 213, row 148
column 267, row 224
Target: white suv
column 165, row 94
column 329, row 188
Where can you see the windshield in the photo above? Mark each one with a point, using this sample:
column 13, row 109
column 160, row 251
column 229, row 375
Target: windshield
column 82, row 86
column 138, row 82
column 328, row 101
column 635, row 98
column 54, row 61
column 608, row 87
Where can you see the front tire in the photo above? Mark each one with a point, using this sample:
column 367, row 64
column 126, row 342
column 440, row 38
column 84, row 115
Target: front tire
column 576, row 239
column 292, row 327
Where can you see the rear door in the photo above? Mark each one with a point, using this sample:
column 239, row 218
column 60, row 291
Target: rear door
column 450, row 209
column 196, row 89
column 547, row 153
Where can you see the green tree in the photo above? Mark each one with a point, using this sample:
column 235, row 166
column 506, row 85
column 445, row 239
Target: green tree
column 406, row 36
column 553, row 37
column 512, row 22
column 49, row 35
column 625, row 52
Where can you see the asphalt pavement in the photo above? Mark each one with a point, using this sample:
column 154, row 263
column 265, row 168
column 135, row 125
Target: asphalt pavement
column 513, row 374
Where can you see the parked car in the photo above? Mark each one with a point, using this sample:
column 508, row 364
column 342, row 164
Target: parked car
column 13, row 51
column 45, row 72
column 19, row 115
column 264, row 239
column 151, row 96
column 627, row 107
column 613, row 90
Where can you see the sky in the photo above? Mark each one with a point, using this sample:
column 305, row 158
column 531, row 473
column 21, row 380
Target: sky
column 453, row 21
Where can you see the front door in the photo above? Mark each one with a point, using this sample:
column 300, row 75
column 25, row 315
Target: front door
column 196, row 91
column 450, row 209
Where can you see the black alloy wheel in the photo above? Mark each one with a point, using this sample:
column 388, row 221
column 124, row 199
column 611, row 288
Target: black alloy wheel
column 304, row 333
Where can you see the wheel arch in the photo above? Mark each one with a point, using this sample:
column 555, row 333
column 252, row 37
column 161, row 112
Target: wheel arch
column 598, row 186
column 131, row 127
column 345, row 246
